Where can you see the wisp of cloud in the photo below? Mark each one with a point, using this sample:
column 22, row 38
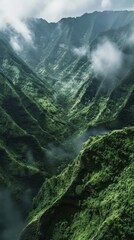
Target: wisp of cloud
column 81, row 51
column 106, row 59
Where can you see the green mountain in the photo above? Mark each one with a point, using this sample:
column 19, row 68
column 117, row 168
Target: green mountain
column 73, row 85
column 64, row 62
column 92, row 198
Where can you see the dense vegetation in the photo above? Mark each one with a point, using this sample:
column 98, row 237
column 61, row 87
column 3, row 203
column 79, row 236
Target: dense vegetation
column 51, row 102
column 93, row 197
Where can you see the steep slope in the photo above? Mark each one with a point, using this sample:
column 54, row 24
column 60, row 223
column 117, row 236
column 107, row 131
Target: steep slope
column 92, row 198
column 23, row 166
column 27, row 126
column 106, row 107
column 54, row 42
column 105, row 98
column 61, row 54
column 36, row 97
column 65, row 62
column 23, row 163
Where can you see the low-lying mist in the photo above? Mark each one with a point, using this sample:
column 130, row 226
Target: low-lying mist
column 11, row 220
column 57, row 156
column 13, row 213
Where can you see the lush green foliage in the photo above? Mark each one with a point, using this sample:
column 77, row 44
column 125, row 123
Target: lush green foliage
column 93, row 198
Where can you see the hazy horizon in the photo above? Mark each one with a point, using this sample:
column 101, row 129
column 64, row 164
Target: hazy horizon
column 78, row 16
column 15, row 13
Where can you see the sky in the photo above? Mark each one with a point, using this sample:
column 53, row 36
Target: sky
column 14, row 12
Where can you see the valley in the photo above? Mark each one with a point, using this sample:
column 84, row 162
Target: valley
column 66, row 127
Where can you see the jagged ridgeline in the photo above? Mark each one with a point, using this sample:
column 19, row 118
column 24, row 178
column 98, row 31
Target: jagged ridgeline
column 73, row 84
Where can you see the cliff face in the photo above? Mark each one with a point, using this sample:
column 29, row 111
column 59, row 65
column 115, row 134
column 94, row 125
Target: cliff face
column 73, row 85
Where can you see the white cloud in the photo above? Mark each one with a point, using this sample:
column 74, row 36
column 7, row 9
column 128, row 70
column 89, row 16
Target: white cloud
column 130, row 39
column 13, row 13
column 106, row 59
column 81, row 51
column 106, row 4
column 15, row 44
column 57, row 9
